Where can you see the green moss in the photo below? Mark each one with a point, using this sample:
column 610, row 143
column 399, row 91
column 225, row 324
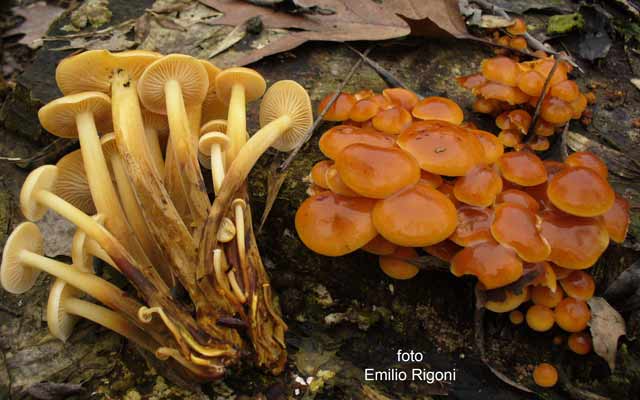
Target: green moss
column 561, row 24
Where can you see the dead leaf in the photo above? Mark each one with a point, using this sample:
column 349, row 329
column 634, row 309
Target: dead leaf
column 37, row 19
column 352, row 20
column 57, row 233
column 494, row 21
column 607, row 325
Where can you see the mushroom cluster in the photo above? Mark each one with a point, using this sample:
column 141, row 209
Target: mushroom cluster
column 136, row 192
column 511, row 90
column 512, row 37
column 527, row 229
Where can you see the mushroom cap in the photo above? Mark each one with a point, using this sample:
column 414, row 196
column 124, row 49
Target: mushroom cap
column 382, row 101
column 159, row 122
column 510, row 303
column 520, row 120
column 334, row 225
column 531, row 82
column 376, row 172
column 486, row 106
column 579, row 285
column 544, row 67
column 546, row 275
column 516, row 226
column 380, row 246
column 16, row 277
column 516, row 196
column 544, row 128
column 474, row 226
column 226, row 231
column 81, row 258
column 479, row 187
column 336, row 184
column 498, row 91
column 190, row 74
column 287, row 98
column 438, row 108
column 580, row 191
column 364, row 110
column 544, row 296
column 340, row 109
column 493, row 148
column 522, row 168
column 209, row 139
column 88, row 71
column 519, row 27
column 617, row 219
column 580, row 342
column 516, row 317
column 401, row 97
column 72, row 184
column 566, row 90
column 215, row 125
column 319, row 173
column 576, row 242
column 540, row 318
column 135, row 61
column 396, row 267
column 441, row 147
column 539, row 143
column 572, row 315
column 109, row 146
column 510, row 137
column 334, row 140
column 493, row 264
column 212, row 74
column 556, row 111
column 393, row 120
column 500, row 69
column 471, row 81
column 444, row 250
column 578, row 106
column 589, row 160
column 253, row 83
column 363, row 94
column 401, row 218
column 545, row 375
column 41, row 178
column 560, row 272
column 59, row 116
column 60, row 322
column 430, row 179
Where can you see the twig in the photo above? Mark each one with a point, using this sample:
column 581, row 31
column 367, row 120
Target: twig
column 536, row 115
column 285, row 164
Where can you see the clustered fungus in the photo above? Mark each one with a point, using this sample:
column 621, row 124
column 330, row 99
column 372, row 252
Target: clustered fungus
column 527, row 229
column 136, row 193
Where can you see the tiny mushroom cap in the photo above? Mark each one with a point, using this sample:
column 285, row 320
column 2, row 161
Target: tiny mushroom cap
column 474, row 226
column 72, row 184
column 401, row 97
column 376, row 172
column 337, row 138
column 576, row 243
column 42, row 178
column 215, row 125
column 441, row 147
column 90, row 70
column 579, row 285
column 340, row 109
column 510, row 137
column 60, row 322
column 511, row 302
column 545, row 375
column 253, row 83
column 209, row 139
column 364, row 110
column 544, row 296
column 187, row 71
column 334, row 225
column 396, row 266
column 290, row 99
column 516, row 196
column 479, row 187
column 380, row 246
column 439, row 108
column 617, row 219
column 522, row 168
column 580, row 191
column 393, row 120
column 540, row 318
column 493, row 264
column 501, row 69
column 519, row 27
column 471, row 81
column 401, row 218
column 539, row 143
column 556, row 111
column 572, row 315
column 516, row 317
column 486, row 106
column 588, row 160
column 580, row 342
column 566, row 90
column 493, row 148
column 227, row 230
column 520, row 120
column 319, row 173
column 578, row 106
column 16, row 277
column 516, row 226
column 59, row 116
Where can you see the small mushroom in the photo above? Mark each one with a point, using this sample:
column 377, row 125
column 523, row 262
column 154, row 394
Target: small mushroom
column 72, row 184
column 396, row 265
column 493, row 148
column 337, row 138
column 364, row 110
column 580, row 191
column 540, row 318
column 212, row 144
column 493, row 264
column 87, row 71
column 239, row 210
column 579, row 285
column 545, row 375
column 401, row 97
column 500, row 69
column 510, row 303
column 544, row 67
column 516, row 226
column 497, row 91
column 531, row 82
column 578, row 106
column 556, row 111
column 429, row 179
column 544, row 296
column 318, row 173
column 479, row 187
column 516, row 196
column 580, row 342
column 471, row 82
column 617, row 219
column 516, row 317
column 392, row 121
column 340, row 109
column 227, row 230
column 510, row 138
column 380, row 246
column 474, row 226
column 572, row 315
column 544, row 128
column 588, row 160
column 566, row 90
column 438, row 108
column 539, row 143
column 522, row 168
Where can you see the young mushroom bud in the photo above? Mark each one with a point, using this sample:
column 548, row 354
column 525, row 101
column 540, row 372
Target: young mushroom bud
column 540, row 318
column 511, row 301
column 572, row 315
column 212, row 144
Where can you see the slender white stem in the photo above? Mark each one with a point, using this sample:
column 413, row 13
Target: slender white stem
column 240, row 240
column 217, row 167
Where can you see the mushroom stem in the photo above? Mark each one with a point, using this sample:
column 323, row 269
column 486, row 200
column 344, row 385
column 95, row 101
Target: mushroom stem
column 163, row 353
column 240, row 241
column 236, row 121
column 95, row 250
column 155, row 150
column 217, row 167
column 110, row 320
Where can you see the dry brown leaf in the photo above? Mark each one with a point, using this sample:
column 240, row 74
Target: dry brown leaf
column 37, row 18
column 351, row 20
column 607, row 325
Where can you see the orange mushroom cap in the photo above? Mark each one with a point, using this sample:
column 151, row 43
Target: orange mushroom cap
column 516, row 317
column 539, row 143
column 578, row 106
column 545, row 375
column 441, row 147
column 493, row 148
column 510, row 137
column 376, row 172
column 580, row 191
column 474, row 226
column 336, row 184
column 363, row 94
column 511, row 302
column 572, row 315
column 579, row 285
column 520, row 120
column 544, row 296
column 479, row 187
column 531, row 83
column 444, row 250
column 523, row 168
column 588, row 160
column 382, row 101
column 617, row 219
column 498, row 91
column 540, row 318
column 560, row 272
column 430, row 179
column 337, row 138
column 555, row 110
column 518, row 43
column 503, row 121
column 544, row 67
column 334, row 225
column 396, row 267
column 580, row 342
column 546, row 275
column 515, row 226
column 486, row 106
column 438, row 108
column 516, row 196
column 379, row 246
column 401, row 97
column 394, row 120
column 401, row 218
column 364, row 110
column 519, row 27
column 566, row 90
column 471, row 81
column 576, row 242
column 319, row 171
column 340, row 109
column 493, row 264
column 544, row 128
column 446, row 188
column 500, row 69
